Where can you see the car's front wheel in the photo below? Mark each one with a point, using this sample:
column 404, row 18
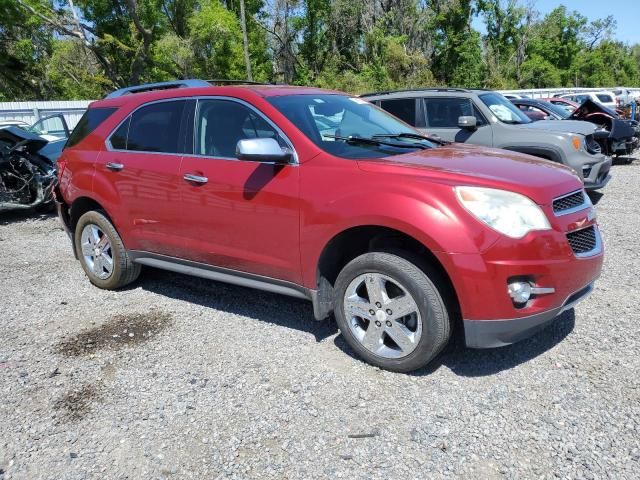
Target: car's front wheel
column 390, row 311
column 102, row 254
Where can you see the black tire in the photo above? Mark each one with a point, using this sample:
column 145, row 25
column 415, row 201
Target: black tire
column 124, row 270
column 419, row 283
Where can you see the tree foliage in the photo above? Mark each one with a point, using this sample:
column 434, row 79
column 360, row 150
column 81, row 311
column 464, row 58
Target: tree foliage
column 49, row 50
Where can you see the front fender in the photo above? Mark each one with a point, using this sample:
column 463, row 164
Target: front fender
column 549, row 152
column 429, row 213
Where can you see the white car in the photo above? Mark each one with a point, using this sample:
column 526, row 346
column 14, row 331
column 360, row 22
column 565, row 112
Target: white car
column 50, row 128
column 606, row 98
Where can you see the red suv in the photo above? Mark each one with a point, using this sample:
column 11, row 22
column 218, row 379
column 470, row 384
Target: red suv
column 320, row 195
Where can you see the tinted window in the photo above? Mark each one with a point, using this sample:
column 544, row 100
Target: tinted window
column 91, row 119
column 604, row 98
column 119, row 137
column 155, row 128
column 222, row 123
column 444, row 112
column 403, row 108
column 329, row 121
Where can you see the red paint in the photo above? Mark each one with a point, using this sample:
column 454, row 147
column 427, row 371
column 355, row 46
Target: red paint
column 276, row 220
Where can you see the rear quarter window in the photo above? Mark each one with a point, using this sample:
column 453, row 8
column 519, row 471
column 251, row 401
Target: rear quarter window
column 91, row 120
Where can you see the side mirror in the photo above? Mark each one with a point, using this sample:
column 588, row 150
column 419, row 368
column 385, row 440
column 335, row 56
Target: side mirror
column 468, row 122
column 262, row 150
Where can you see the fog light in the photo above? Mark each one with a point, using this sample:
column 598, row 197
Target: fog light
column 520, row 292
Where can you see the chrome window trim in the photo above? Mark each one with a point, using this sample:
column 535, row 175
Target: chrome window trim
column 294, row 161
column 584, row 205
column 110, row 147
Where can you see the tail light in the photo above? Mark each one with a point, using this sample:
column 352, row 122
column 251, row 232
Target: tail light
column 62, row 164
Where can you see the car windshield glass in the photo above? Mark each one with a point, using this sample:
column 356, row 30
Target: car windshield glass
column 561, row 112
column 330, row 120
column 502, row 108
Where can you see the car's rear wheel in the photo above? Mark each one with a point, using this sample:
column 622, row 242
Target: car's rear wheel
column 390, row 311
column 102, row 254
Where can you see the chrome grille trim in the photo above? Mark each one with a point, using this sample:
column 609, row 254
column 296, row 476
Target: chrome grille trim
column 565, row 205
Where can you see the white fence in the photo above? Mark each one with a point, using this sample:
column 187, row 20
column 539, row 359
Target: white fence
column 550, row 92
column 31, row 112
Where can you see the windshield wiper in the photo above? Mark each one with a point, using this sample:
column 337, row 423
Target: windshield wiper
column 415, row 136
column 374, row 141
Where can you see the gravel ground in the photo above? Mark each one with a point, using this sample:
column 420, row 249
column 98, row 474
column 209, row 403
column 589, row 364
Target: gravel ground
column 178, row 377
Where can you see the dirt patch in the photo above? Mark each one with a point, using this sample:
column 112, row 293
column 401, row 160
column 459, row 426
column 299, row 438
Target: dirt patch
column 76, row 403
column 119, row 332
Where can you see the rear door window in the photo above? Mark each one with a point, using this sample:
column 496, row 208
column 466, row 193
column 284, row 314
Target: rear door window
column 403, row 108
column 154, row 128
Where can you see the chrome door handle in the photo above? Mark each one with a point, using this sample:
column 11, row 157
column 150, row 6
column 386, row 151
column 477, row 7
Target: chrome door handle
column 114, row 167
column 190, row 177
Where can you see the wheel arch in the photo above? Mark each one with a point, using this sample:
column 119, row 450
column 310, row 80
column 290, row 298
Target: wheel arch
column 355, row 241
column 541, row 151
column 76, row 209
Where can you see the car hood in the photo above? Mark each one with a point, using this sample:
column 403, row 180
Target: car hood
column 588, row 107
column 565, row 126
column 463, row 164
column 15, row 136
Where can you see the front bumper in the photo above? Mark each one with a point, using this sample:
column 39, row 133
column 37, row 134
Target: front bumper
column 597, row 175
column 498, row 333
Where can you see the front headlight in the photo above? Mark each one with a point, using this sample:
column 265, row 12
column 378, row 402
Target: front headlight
column 509, row 213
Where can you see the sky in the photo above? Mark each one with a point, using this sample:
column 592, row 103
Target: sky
column 626, row 13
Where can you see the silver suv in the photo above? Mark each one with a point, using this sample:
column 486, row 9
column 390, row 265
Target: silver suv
column 484, row 117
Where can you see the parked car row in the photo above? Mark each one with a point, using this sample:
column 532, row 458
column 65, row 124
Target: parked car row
column 487, row 118
column 406, row 237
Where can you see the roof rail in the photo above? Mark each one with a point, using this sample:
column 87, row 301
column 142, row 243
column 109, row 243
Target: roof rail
column 434, row 89
column 226, row 81
column 147, row 87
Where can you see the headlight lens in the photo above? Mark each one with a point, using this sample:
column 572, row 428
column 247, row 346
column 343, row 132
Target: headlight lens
column 509, row 213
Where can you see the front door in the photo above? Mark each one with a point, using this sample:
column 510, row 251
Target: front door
column 442, row 115
column 238, row 214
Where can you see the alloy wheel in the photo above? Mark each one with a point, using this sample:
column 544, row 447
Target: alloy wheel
column 382, row 315
column 96, row 251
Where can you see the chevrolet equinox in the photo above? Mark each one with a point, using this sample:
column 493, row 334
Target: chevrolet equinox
column 316, row 194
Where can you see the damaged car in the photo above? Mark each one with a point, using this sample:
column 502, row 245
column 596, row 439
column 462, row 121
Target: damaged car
column 27, row 169
column 614, row 135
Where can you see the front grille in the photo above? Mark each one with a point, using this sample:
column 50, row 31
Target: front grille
column 568, row 202
column 583, row 241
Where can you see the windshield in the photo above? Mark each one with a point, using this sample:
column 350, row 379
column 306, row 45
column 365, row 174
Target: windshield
column 328, row 120
column 502, row 108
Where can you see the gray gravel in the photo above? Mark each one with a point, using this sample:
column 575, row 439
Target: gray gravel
column 177, row 377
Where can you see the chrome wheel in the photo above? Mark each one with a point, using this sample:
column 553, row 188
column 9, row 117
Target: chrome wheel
column 382, row 315
column 96, row 251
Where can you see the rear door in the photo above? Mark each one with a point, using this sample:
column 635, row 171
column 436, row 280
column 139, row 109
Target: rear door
column 441, row 118
column 406, row 109
column 54, row 126
column 140, row 172
column 239, row 214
